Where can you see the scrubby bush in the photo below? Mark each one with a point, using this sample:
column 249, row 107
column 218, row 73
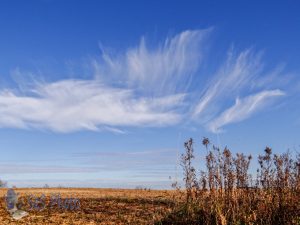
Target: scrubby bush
column 227, row 193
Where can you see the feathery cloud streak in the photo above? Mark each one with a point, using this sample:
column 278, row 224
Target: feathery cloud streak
column 243, row 108
column 138, row 88
column 142, row 87
column 234, row 76
column 72, row 105
column 162, row 70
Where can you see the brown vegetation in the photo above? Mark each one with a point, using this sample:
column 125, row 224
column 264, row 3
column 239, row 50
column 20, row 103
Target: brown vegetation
column 98, row 206
column 226, row 193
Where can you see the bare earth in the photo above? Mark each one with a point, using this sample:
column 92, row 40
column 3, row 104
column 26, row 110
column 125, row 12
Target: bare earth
column 98, row 206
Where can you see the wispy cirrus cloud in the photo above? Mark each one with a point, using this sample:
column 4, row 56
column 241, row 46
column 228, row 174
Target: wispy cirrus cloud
column 161, row 70
column 100, row 161
column 243, row 109
column 25, row 168
column 72, row 105
column 143, row 86
column 147, row 167
column 235, row 75
column 130, row 160
column 137, row 88
column 241, row 74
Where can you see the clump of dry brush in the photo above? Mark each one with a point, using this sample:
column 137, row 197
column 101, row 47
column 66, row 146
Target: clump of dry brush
column 227, row 193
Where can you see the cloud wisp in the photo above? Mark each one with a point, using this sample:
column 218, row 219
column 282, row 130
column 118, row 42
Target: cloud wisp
column 243, row 109
column 72, row 105
column 241, row 74
column 25, row 168
column 162, row 70
column 234, row 76
column 143, row 86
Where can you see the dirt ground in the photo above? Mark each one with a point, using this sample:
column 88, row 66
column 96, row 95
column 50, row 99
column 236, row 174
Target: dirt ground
column 97, row 206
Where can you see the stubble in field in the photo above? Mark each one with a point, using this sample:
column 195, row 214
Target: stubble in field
column 97, row 206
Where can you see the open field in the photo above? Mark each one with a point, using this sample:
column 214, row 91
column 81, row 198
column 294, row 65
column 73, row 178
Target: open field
column 98, row 206
column 224, row 193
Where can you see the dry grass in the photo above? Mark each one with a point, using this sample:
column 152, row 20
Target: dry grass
column 98, row 206
column 226, row 193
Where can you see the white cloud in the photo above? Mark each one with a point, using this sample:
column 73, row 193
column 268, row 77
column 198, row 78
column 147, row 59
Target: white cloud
column 243, row 108
column 161, row 70
column 143, row 86
column 72, row 105
column 235, row 75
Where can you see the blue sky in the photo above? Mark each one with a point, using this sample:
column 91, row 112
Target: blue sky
column 104, row 93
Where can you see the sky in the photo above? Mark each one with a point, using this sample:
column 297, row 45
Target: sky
column 104, row 93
